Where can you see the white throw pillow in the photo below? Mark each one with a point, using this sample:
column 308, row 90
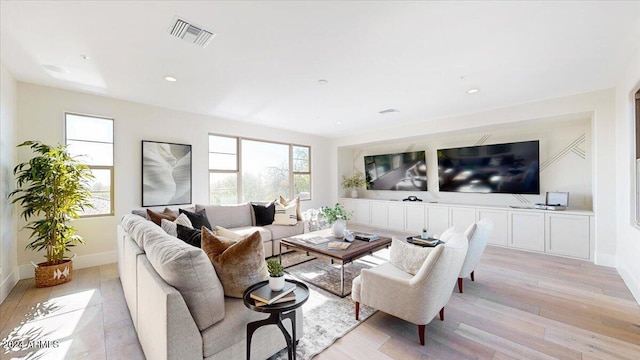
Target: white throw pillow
column 407, row 257
column 170, row 226
column 285, row 214
column 226, row 233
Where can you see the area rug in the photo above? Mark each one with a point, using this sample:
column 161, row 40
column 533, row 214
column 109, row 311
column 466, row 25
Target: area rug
column 327, row 317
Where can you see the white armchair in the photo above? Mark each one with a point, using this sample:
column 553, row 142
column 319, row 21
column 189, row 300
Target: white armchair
column 415, row 298
column 478, row 235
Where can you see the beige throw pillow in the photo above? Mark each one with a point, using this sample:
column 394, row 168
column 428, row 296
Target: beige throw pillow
column 407, row 257
column 225, row 233
column 171, row 228
column 285, row 214
column 239, row 263
column 295, row 200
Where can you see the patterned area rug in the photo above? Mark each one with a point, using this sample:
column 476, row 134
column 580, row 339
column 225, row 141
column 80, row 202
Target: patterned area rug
column 327, row 317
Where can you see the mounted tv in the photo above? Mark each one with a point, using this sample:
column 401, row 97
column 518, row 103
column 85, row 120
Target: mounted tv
column 511, row 168
column 400, row 172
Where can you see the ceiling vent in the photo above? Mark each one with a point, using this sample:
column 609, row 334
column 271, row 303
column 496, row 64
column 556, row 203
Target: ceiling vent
column 388, row 111
column 190, row 32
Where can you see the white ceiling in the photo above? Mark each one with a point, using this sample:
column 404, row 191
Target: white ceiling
column 264, row 64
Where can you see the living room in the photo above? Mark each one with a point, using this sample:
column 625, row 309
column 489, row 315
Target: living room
column 570, row 104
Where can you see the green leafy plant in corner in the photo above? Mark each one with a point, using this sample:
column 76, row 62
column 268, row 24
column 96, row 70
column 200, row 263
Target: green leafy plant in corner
column 275, row 268
column 334, row 213
column 352, row 182
column 52, row 189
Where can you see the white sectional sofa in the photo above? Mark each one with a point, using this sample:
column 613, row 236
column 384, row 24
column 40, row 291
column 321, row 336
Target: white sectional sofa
column 176, row 300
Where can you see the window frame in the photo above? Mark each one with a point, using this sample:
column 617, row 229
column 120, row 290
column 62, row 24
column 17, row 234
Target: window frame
column 238, row 171
column 99, row 167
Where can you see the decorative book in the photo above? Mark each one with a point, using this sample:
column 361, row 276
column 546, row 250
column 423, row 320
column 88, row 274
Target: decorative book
column 317, row 240
column 365, row 236
column 289, row 297
column 266, row 295
column 418, row 240
column 338, row 245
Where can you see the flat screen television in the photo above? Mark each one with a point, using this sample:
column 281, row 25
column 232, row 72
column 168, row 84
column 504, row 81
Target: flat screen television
column 511, row 168
column 400, row 172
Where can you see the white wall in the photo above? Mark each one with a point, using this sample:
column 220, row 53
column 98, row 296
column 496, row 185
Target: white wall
column 41, row 114
column 565, row 158
column 598, row 106
column 628, row 234
column 8, row 227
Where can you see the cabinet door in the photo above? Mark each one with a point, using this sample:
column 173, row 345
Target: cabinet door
column 362, row 212
column 437, row 219
column 567, row 235
column 500, row 233
column 415, row 217
column 378, row 214
column 395, row 216
column 526, row 230
column 461, row 218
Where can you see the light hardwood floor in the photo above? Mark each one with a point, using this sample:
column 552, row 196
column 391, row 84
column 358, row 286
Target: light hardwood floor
column 521, row 306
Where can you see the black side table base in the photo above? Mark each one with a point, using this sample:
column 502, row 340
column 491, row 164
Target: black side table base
column 275, row 319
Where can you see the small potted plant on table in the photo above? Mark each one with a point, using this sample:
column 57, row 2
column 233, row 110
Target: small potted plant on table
column 276, row 274
column 337, row 217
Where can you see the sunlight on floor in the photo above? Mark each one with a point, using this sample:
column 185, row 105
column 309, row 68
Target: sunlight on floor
column 46, row 330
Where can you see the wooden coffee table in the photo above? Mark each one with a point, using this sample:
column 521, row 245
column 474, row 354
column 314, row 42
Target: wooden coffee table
column 357, row 250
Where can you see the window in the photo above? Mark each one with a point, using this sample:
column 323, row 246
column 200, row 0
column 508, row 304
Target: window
column 91, row 139
column 254, row 170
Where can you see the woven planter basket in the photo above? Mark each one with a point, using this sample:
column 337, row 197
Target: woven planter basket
column 52, row 275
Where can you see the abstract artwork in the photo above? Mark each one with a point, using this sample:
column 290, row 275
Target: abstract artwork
column 166, row 173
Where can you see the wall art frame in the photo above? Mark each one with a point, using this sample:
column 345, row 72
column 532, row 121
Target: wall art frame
column 166, row 173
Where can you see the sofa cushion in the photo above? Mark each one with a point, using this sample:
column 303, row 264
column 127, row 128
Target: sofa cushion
column 279, row 231
column 139, row 229
column 238, row 263
column 189, row 235
column 198, row 219
column 264, row 214
column 295, row 200
column 189, row 270
column 157, row 217
column 228, row 216
column 170, row 227
column 406, row 256
column 285, row 214
column 265, row 234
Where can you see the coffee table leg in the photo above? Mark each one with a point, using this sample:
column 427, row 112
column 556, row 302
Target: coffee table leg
column 280, row 254
column 342, row 279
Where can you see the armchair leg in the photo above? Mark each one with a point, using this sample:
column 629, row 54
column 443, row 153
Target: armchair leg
column 357, row 310
column 421, row 333
column 460, row 285
column 442, row 314
column 472, row 279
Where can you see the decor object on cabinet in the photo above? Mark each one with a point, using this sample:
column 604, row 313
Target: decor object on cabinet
column 353, row 183
column 166, row 173
column 53, row 188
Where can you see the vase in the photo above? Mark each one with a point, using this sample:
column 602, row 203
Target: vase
column 338, row 228
column 424, row 235
column 276, row 283
column 354, row 193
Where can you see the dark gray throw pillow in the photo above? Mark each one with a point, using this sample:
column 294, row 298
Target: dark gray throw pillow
column 264, row 213
column 190, row 236
column 198, row 219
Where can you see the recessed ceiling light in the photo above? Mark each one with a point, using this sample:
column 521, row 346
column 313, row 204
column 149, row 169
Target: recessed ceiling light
column 472, row 91
column 85, row 57
column 388, row 111
column 323, row 82
column 56, row 69
column 170, row 78
column 338, row 122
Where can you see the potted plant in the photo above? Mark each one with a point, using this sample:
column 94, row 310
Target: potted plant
column 353, row 183
column 52, row 189
column 336, row 216
column 276, row 274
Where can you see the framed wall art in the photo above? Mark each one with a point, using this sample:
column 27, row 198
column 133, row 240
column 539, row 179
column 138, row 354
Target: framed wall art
column 166, row 173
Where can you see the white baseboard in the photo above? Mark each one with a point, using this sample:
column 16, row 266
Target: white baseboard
column 8, row 283
column 632, row 283
column 604, row 260
column 80, row 262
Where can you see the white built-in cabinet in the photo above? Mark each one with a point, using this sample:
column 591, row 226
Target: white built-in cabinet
column 565, row 233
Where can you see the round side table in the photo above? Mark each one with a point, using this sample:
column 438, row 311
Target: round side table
column 278, row 312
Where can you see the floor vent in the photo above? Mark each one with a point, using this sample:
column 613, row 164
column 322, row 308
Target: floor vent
column 190, row 32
